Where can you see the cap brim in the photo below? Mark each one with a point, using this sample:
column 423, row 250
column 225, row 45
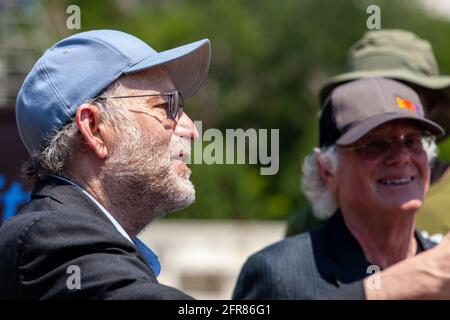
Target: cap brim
column 429, row 82
column 359, row 130
column 187, row 65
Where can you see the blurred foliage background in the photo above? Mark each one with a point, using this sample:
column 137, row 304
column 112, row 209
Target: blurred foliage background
column 269, row 59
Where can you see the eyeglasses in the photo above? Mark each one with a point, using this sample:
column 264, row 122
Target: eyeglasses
column 176, row 102
column 378, row 147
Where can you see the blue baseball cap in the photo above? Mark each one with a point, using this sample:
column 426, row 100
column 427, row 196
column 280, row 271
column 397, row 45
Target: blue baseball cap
column 80, row 67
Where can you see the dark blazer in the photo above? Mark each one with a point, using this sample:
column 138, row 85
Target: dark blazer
column 327, row 263
column 61, row 227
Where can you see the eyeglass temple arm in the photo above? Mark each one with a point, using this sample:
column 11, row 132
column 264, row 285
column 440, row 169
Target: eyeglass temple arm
column 136, row 96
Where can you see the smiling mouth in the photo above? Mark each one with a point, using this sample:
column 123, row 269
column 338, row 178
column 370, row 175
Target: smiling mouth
column 395, row 182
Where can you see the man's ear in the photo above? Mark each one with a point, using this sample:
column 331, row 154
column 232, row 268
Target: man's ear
column 326, row 174
column 88, row 119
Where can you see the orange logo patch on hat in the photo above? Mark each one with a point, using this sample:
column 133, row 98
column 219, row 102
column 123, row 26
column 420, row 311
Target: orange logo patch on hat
column 406, row 104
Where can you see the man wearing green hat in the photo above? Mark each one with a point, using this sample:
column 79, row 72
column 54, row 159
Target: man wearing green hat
column 403, row 56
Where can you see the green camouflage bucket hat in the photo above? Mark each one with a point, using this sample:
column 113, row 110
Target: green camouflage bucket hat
column 391, row 54
column 399, row 55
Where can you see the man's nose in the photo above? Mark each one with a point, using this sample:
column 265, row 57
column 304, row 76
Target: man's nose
column 399, row 154
column 185, row 127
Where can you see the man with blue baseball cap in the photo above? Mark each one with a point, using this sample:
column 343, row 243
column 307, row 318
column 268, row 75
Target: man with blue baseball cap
column 101, row 115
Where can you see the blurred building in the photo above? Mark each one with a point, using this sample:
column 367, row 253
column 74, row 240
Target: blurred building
column 203, row 257
column 21, row 31
column 19, row 22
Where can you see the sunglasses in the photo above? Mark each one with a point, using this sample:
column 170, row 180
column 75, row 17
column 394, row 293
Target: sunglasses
column 379, row 147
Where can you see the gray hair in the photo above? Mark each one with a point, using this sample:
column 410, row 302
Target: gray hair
column 60, row 146
column 320, row 197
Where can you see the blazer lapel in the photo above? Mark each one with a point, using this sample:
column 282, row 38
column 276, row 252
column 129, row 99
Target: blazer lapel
column 346, row 261
column 343, row 260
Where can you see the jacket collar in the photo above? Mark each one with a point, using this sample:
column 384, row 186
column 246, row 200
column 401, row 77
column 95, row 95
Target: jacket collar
column 346, row 261
column 66, row 195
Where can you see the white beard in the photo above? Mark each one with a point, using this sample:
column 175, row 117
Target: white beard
column 140, row 179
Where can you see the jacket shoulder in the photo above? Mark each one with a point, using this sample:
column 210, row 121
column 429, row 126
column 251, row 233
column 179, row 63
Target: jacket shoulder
column 276, row 271
column 42, row 248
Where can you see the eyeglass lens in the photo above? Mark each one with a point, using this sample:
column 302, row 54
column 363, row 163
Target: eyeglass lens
column 175, row 104
column 378, row 147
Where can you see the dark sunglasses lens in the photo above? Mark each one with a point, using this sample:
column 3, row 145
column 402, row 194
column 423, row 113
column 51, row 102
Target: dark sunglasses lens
column 379, row 147
column 413, row 142
column 376, row 148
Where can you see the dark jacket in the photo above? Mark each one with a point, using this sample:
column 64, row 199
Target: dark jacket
column 62, row 227
column 326, row 263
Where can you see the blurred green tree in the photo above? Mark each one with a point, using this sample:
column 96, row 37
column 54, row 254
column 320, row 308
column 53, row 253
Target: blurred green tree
column 268, row 61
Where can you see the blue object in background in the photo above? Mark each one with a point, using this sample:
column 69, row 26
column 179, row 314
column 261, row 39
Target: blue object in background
column 12, row 198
